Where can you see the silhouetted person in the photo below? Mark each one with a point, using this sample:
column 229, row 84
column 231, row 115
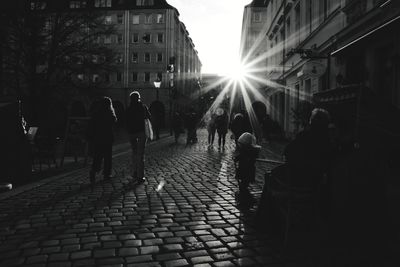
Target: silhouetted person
column 245, row 157
column 221, row 123
column 266, row 125
column 211, row 127
column 308, row 155
column 238, row 126
column 101, row 138
column 157, row 118
column 177, row 125
column 191, row 125
column 136, row 113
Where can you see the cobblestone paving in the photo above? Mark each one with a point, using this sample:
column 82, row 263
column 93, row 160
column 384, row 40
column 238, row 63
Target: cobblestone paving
column 185, row 214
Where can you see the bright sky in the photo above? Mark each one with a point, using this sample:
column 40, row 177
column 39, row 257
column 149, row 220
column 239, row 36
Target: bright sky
column 214, row 26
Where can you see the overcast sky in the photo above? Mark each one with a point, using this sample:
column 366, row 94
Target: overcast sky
column 214, row 26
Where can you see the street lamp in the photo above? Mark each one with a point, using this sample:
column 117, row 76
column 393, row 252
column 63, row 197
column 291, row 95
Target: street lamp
column 157, row 85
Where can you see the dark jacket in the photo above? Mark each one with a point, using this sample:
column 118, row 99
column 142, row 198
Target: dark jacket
column 101, row 128
column 309, row 156
column 246, row 158
column 221, row 123
column 135, row 115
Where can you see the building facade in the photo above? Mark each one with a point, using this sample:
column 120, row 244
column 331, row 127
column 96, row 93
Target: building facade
column 319, row 45
column 149, row 42
column 253, row 47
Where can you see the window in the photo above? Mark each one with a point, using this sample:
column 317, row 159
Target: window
column 107, row 39
column 38, row 5
column 297, row 23
column 257, row 17
column 102, row 3
column 135, row 38
column 135, row 57
column 119, row 58
column 308, row 15
column 119, row 76
column 95, row 59
column 148, row 19
column 48, row 25
column 120, row 38
column 323, row 11
column 107, row 77
column 135, row 19
column 147, row 76
column 160, row 18
column 288, row 32
column 79, row 59
column 134, row 76
column 160, row 38
column 147, row 57
column 95, row 78
column 147, row 38
column 120, row 19
column 332, row 6
column 108, row 20
column 77, row 4
column 159, row 57
column 144, row 2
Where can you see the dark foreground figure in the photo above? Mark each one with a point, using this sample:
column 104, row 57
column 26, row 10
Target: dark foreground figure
column 101, row 138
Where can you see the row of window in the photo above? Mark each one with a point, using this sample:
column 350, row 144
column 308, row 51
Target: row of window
column 147, row 57
column 135, row 38
column 108, row 3
column 118, row 77
column 299, row 24
column 136, row 19
column 74, row 4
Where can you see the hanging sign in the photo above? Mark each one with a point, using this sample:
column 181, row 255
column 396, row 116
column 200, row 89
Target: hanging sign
column 313, row 68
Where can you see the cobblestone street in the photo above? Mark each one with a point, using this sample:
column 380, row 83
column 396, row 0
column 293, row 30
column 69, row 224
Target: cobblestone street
column 185, row 214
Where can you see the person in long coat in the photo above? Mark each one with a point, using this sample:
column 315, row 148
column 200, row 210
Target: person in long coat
column 101, row 138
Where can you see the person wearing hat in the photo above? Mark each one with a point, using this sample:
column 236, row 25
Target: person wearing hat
column 245, row 159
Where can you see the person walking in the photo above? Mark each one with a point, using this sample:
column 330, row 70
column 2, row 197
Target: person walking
column 136, row 114
column 101, row 138
column 240, row 124
column 211, row 128
column 177, row 125
column 245, row 161
column 191, row 124
column 221, row 123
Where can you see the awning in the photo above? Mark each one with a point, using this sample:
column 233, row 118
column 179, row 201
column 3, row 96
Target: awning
column 386, row 24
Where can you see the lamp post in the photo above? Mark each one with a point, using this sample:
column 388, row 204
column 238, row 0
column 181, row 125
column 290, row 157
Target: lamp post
column 171, row 95
column 157, row 85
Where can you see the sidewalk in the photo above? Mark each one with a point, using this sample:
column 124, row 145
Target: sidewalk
column 70, row 167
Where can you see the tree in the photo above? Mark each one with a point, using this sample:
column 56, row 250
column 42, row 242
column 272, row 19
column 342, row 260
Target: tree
column 50, row 55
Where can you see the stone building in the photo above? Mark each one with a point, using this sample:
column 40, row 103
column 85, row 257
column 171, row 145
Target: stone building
column 253, row 47
column 319, row 45
column 149, row 42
